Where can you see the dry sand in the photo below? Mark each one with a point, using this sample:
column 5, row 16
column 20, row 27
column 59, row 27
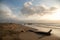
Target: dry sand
column 10, row 31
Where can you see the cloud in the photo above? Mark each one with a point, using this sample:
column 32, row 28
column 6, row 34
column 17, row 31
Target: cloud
column 6, row 14
column 27, row 4
column 40, row 10
column 36, row 12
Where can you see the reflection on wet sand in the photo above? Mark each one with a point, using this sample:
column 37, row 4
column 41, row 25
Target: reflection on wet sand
column 55, row 31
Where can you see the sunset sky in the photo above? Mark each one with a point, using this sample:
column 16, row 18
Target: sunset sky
column 18, row 10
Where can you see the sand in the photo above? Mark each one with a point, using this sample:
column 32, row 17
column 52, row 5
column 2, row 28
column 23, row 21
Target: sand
column 11, row 31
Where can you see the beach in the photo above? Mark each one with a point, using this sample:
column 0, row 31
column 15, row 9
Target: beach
column 11, row 31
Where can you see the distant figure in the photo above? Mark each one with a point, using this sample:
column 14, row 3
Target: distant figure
column 42, row 33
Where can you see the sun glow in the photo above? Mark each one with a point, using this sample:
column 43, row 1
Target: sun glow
column 54, row 16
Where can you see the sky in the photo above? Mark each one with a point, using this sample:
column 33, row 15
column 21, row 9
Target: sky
column 21, row 10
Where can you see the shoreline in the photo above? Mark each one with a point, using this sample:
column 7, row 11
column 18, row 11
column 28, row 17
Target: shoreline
column 19, row 32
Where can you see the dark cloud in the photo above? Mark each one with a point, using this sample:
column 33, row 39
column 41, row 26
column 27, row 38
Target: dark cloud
column 27, row 11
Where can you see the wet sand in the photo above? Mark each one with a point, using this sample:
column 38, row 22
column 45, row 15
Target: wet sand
column 11, row 31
